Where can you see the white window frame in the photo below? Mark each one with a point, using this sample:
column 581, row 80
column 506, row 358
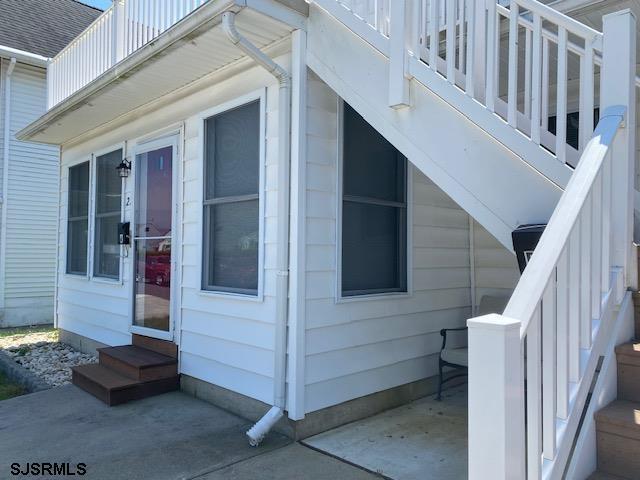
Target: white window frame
column 66, row 273
column 170, row 136
column 257, row 95
column 93, row 209
column 339, row 297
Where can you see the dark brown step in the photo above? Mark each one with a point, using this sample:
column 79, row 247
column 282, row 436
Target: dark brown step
column 113, row 388
column 618, row 437
column 138, row 363
column 162, row 347
column 628, row 357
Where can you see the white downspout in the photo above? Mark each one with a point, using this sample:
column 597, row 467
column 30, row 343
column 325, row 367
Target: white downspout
column 5, row 176
column 262, row 427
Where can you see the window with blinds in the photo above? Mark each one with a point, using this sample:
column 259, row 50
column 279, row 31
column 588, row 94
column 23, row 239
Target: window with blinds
column 106, row 261
column 78, row 219
column 231, row 201
column 374, row 210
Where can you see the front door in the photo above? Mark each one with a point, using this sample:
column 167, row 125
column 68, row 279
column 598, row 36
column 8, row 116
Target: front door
column 152, row 237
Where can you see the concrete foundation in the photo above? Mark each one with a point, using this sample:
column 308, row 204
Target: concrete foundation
column 321, row 420
column 79, row 342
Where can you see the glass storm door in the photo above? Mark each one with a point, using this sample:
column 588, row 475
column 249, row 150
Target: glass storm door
column 152, row 242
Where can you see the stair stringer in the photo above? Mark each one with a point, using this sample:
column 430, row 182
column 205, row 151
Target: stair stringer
column 494, row 185
column 584, row 456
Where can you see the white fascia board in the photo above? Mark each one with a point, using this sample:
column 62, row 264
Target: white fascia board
column 24, row 57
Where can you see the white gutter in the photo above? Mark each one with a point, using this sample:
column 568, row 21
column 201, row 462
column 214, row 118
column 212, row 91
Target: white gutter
column 262, row 427
column 5, row 175
column 24, row 57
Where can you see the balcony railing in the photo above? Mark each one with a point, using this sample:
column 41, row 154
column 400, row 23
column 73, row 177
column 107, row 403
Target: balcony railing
column 122, row 29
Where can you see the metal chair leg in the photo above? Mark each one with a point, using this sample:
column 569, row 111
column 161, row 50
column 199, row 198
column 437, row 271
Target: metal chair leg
column 440, row 382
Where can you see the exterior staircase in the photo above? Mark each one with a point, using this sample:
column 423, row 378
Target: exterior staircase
column 618, row 424
column 130, row 372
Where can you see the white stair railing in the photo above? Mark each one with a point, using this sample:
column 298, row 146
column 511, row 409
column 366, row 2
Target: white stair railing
column 530, row 369
column 120, row 30
column 521, row 60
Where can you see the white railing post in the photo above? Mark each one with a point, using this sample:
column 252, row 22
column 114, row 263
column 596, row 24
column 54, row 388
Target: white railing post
column 119, row 31
column 496, row 399
column 398, row 42
column 617, row 88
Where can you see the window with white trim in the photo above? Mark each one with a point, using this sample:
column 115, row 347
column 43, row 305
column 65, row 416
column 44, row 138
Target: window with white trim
column 231, row 201
column 78, row 219
column 374, row 211
column 108, row 207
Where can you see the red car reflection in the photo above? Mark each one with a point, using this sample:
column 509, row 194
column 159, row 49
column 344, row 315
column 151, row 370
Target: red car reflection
column 158, row 269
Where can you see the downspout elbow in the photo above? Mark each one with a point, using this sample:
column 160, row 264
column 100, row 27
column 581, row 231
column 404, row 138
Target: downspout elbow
column 229, row 27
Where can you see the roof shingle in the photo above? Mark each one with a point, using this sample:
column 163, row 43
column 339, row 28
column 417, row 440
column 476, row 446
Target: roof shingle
column 43, row 27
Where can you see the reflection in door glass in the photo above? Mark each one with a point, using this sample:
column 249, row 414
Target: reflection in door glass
column 152, row 241
column 153, row 283
column 153, row 184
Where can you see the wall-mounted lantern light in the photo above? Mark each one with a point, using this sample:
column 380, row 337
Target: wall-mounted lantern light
column 124, row 168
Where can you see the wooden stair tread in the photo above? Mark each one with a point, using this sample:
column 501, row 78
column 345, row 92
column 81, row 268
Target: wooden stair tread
column 621, row 413
column 631, row 349
column 104, row 376
column 137, row 357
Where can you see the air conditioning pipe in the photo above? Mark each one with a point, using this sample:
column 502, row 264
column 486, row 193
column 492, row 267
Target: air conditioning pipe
column 257, row 433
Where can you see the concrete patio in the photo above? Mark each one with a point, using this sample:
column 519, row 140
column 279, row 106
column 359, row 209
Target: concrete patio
column 424, row 440
column 171, row 436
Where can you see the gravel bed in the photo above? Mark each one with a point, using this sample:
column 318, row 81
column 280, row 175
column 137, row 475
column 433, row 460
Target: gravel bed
column 44, row 356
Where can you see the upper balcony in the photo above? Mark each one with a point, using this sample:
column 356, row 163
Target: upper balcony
column 122, row 29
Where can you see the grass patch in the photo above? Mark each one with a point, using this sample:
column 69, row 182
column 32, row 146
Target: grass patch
column 8, row 389
column 10, row 332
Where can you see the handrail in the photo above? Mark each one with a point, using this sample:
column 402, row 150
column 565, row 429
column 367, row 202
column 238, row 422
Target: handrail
column 530, row 289
column 560, row 19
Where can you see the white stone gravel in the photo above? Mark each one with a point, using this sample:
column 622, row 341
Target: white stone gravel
column 43, row 355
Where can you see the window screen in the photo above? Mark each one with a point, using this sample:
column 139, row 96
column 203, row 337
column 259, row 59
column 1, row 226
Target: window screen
column 78, row 219
column 107, row 216
column 231, row 200
column 374, row 211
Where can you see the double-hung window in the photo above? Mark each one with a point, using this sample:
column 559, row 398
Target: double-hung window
column 231, row 201
column 374, row 211
column 106, row 254
column 78, row 219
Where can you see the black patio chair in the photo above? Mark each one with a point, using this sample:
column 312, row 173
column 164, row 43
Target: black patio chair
column 457, row 358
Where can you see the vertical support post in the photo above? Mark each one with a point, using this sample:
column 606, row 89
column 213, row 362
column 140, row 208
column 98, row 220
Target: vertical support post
column 399, row 41
column 119, row 30
column 496, row 399
column 479, row 49
column 618, row 89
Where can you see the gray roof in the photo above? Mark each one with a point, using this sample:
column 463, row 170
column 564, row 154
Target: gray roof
column 43, row 27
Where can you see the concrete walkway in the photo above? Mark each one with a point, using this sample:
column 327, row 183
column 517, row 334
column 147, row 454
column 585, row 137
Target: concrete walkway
column 424, row 440
column 171, row 436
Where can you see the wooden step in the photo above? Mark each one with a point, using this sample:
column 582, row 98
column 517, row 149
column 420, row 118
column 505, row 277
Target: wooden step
column 628, row 357
column 162, row 347
column 618, row 438
column 113, row 388
column 138, row 363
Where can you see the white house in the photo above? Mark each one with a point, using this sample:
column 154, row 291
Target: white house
column 28, row 171
column 289, row 200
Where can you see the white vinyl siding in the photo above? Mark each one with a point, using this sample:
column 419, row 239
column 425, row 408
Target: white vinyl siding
column 31, row 201
column 360, row 346
column 225, row 339
column 496, row 268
